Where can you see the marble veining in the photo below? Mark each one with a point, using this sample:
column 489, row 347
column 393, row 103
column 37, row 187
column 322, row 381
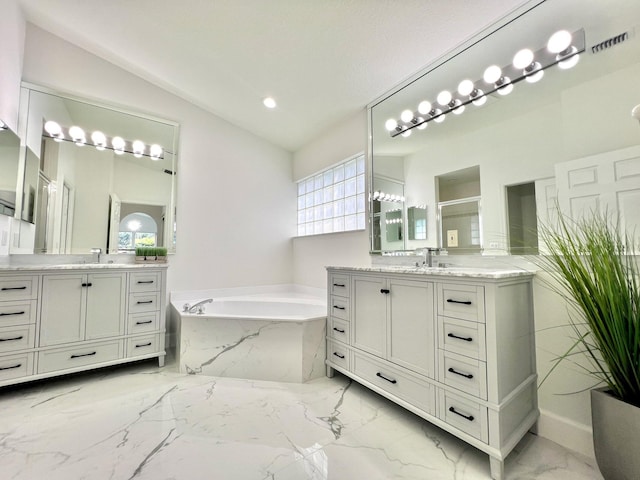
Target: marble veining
column 467, row 272
column 144, row 423
column 81, row 266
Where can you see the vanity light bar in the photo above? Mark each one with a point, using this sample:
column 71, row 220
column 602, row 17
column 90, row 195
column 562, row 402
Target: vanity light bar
column 98, row 139
column 563, row 49
column 386, row 197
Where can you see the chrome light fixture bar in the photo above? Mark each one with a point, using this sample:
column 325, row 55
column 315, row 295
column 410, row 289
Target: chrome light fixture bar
column 563, row 49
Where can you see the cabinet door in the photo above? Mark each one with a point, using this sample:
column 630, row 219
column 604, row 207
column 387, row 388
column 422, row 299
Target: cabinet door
column 62, row 310
column 369, row 314
column 105, row 305
column 411, row 334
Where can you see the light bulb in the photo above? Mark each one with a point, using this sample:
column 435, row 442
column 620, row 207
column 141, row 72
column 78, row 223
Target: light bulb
column 465, row 87
column 138, row 148
column 505, row 87
column 479, row 101
column 422, row 124
column 424, row 107
column 559, row 41
column 534, row 73
column 458, row 108
column 572, row 58
column 406, row 133
column 54, row 130
column 269, row 102
column 523, row 59
column 391, row 124
column 99, row 140
column 118, row 145
column 437, row 114
column 406, row 116
column 155, row 152
column 444, row 97
column 77, row 135
column 492, row 74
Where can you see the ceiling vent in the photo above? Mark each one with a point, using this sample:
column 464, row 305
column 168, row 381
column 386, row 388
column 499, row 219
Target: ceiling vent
column 610, row 42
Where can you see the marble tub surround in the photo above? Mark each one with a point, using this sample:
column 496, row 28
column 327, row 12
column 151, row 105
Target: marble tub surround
column 139, row 422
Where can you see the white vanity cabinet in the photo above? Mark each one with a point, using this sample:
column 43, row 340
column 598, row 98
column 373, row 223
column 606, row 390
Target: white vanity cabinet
column 67, row 319
column 455, row 348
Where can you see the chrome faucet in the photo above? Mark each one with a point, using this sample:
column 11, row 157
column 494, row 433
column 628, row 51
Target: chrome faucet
column 428, row 256
column 97, row 251
column 196, row 306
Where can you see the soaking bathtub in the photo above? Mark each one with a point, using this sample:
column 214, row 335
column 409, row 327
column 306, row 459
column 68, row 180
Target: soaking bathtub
column 262, row 333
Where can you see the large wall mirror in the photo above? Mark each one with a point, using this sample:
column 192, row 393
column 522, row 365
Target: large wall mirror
column 9, row 158
column 93, row 177
column 503, row 163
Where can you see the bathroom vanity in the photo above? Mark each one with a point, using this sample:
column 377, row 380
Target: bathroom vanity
column 61, row 319
column 454, row 346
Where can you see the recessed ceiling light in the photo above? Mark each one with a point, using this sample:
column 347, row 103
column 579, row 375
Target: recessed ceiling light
column 269, row 102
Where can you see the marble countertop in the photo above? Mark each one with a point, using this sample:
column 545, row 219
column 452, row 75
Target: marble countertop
column 80, row 266
column 468, row 272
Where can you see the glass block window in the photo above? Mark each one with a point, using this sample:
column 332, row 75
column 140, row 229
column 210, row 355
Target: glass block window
column 333, row 200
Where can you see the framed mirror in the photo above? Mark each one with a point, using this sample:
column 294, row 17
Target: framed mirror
column 521, row 135
column 94, row 176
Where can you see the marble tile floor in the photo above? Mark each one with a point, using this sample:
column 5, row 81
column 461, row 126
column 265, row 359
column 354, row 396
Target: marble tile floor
column 141, row 422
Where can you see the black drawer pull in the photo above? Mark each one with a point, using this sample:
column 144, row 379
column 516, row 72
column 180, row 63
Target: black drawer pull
column 87, row 284
column 83, row 355
column 11, row 367
column 146, row 301
column 4, row 289
column 339, row 330
column 390, row 380
column 451, row 300
column 468, row 417
column 11, row 313
column 466, row 339
column 339, row 308
column 342, row 285
column 385, row 290
column 145, row 281
column 465, row 375
column 11, row 339
column 338, row 355
column 145, row 322
column 138, row 345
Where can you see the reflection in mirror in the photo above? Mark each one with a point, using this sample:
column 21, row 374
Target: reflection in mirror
column 530, row 136
column 86, row 168
column 387, row 210
column 460, row 226
column 9, row 154
column 417, row 223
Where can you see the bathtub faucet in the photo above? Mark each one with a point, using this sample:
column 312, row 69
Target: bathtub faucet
column 196, row 306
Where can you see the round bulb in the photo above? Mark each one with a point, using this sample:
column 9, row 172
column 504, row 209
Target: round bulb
column 155, row 151
column 406, row 133
column 77, row 135
column 444, row 97
column 269, row 102
column 458, row 108
column 523, row 59
column 390, row 124
column 118, row 145
column 559, row 41
column 99, row 140
column 52, row 128
column 492, row 74
column 138, row 148
column 479, row 101
column 534, row 77
column 422, row 124
column 465, row 87
column 439, row 118
column 424, row 107
column 507, row 86
column 406, row 116
column 569, row 62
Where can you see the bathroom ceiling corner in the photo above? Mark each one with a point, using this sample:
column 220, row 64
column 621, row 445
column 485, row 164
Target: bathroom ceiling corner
column 321, row 60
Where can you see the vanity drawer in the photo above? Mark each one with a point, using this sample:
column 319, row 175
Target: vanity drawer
column 144, row 302
column 18, row 312
column 462, row 336
column 463, row 373
column 79, row 356
column 16, row 366
column 18, row 287
column 338, row 355
column 392, row 380
column 339, row 284
column 138, row 346
column 339, row 330
column 143, row 322
column 461, row 301
column 144, row 282
column 463, row 414
column 339, row 307
column 19, row 337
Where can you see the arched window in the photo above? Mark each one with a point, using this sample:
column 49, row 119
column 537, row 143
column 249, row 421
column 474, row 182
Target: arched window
column 137, row 230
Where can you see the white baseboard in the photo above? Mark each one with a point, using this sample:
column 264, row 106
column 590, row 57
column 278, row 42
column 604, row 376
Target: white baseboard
column 569, row 434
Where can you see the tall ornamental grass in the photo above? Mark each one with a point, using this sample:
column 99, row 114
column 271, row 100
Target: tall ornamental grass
column 596, row 272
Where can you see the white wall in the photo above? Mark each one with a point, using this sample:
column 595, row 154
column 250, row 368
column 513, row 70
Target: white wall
column 12, row 27
column 235, row 199
column 312, row 254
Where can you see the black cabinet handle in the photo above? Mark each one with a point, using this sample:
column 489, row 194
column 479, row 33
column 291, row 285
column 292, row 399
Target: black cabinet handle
column 145, row 281
column 145, row 322
column 87, row 284
column 138, row 345
column 338, row 355
column 339, row 330
column 466, row 339
column 11, row 313
column 465, row 375
column 4, row 289
column 390, row 380
column 146, row 301
column 341, row 285
column 385, row 290
column 451, row 300
column 11, row 339
column 338, row 307
column 468, row 417
column 83, row 355
column 11, row 367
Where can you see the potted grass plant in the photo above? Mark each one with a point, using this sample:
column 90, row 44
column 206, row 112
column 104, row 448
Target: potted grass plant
column 593, row 267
